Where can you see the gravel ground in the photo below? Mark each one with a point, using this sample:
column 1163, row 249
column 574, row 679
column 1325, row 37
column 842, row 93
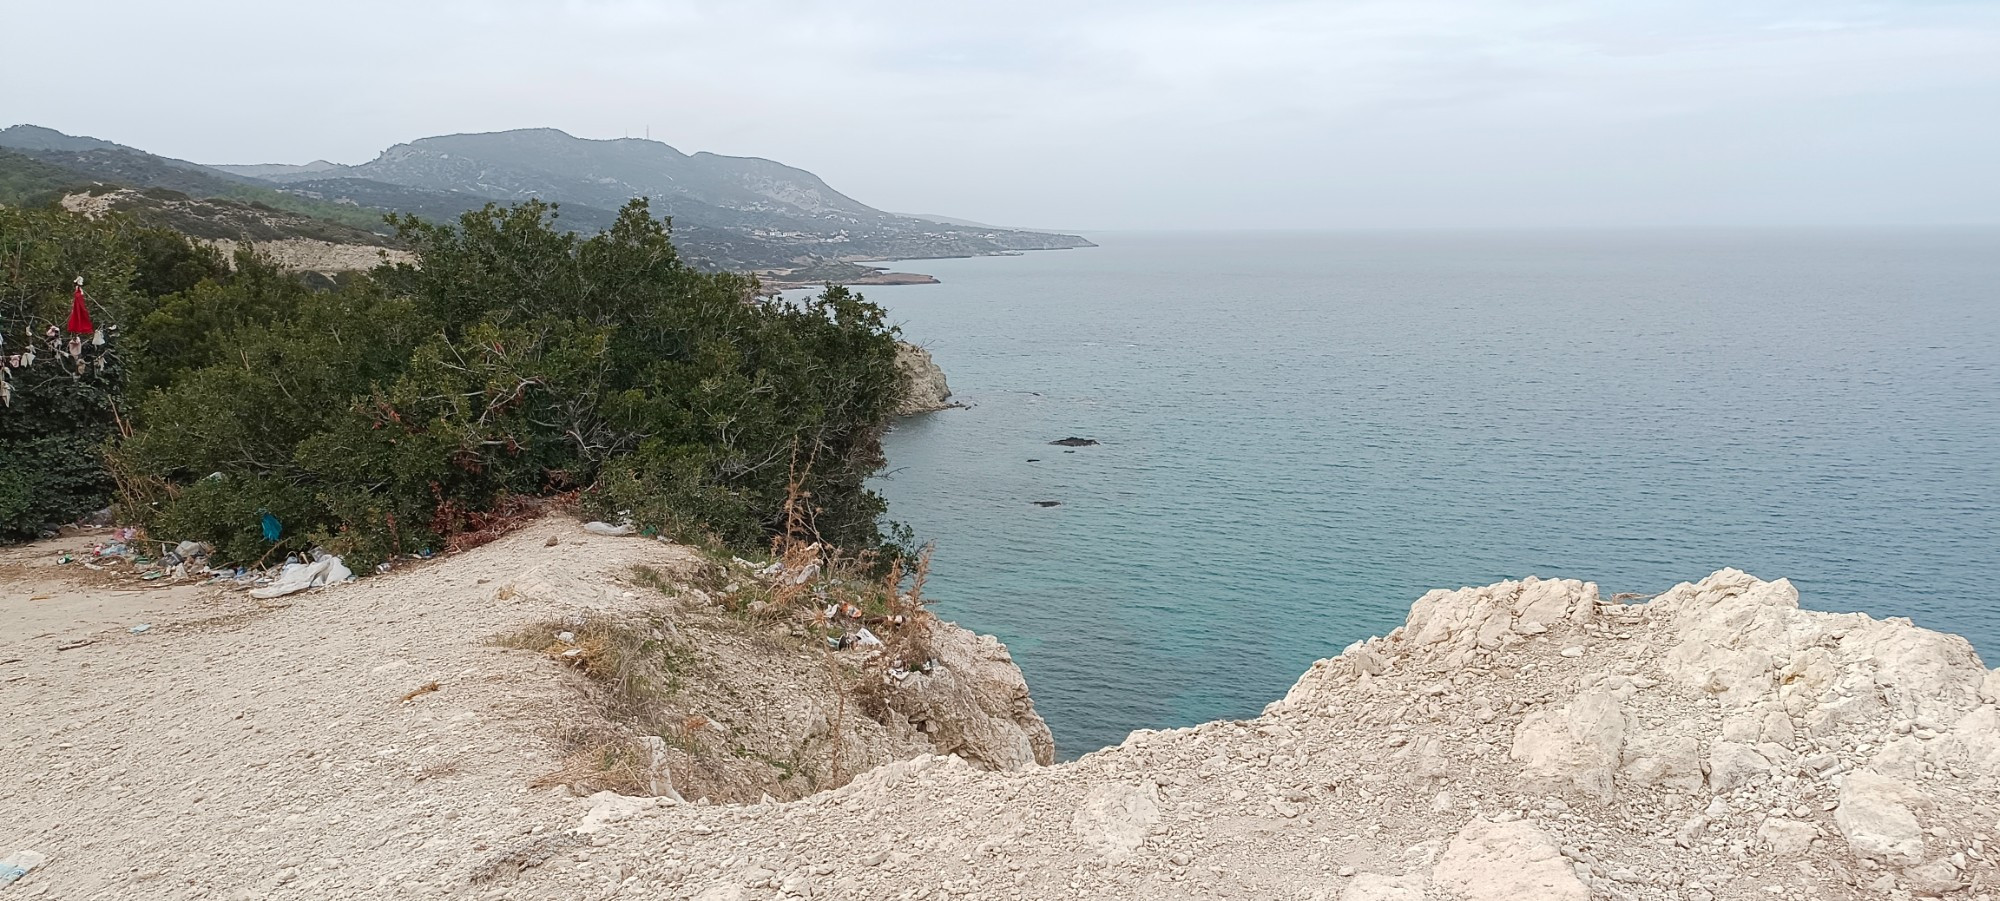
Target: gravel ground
column 1519, row 741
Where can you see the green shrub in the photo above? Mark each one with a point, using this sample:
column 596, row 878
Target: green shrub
column 57, row 418
column 391, row 412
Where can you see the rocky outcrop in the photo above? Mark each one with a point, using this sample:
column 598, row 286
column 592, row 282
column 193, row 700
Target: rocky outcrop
column 973, row 703
column 925, row 390
column 325, row 257
column 1524, row 740
column 294, row 242
column 1500, row 861
column 729, row 707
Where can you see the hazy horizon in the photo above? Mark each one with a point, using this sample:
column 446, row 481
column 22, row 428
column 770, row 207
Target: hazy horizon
column 1118, row 116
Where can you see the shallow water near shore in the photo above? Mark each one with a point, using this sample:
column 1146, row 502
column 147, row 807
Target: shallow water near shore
column 1302, row 433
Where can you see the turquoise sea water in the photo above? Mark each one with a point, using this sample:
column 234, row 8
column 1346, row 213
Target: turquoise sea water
column 1304, row 432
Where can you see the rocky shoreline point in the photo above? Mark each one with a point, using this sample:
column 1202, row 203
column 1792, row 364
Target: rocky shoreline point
column 926, row 391
column 1524, row 740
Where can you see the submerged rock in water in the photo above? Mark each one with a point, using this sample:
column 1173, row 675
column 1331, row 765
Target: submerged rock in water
column 1073, row 441
column 1048, row 503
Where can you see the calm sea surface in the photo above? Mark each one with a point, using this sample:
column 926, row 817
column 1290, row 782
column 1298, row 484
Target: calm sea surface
column 1304, row 432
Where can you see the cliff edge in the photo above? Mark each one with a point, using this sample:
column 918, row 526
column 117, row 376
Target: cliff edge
column 1525, row 740
column 420, row 733
column 926, row 390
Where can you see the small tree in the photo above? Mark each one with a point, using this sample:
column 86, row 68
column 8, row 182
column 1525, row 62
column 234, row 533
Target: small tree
column 516, row 359
column 62, row 407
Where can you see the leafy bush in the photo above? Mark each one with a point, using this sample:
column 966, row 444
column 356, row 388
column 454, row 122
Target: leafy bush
column 58, row 414
column 387, row 414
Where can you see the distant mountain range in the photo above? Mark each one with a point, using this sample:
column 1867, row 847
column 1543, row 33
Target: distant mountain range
column 739, row 213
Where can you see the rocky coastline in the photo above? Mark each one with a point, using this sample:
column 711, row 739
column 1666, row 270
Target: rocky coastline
column 1523, row 740
column 927, row 391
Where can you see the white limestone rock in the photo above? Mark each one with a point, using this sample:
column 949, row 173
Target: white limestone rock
column 1661, row 757
column 1574, row 747
column 1451, row 625
column 1975, row 741
column 607, row 807
column 925, row 390
column 974, row 703
column 1876, row 817
column 1732, row 766
column 1514, row 861
column 1785, row 837
column 1114, row 819
column 1933, row 880
column 1376, row 887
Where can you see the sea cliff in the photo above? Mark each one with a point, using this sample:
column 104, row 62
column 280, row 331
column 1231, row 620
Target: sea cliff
column 927, row 391
column 1523, row 740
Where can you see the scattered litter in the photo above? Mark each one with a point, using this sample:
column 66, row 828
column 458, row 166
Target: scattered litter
column 188, row 550
column 273, row 530
column 566, row 637
column 298, row 577
column 867, row 639
column 73, row 645
column 605, row 528
column 421, row 690
column 152, row 575
column 16, row 865
column 142, row 628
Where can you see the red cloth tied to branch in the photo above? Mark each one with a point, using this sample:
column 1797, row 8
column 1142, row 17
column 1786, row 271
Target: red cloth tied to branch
column 79, row 317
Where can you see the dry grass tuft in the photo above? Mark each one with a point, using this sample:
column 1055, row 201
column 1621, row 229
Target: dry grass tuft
column 632, row 668
column 602, row 760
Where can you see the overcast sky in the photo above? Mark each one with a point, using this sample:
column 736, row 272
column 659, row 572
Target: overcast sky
column 1105, row 113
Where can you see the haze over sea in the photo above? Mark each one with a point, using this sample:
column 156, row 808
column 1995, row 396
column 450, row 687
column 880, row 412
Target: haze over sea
column 1302, row 433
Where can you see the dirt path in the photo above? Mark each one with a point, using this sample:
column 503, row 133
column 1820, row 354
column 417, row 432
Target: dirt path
column 236, row 750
